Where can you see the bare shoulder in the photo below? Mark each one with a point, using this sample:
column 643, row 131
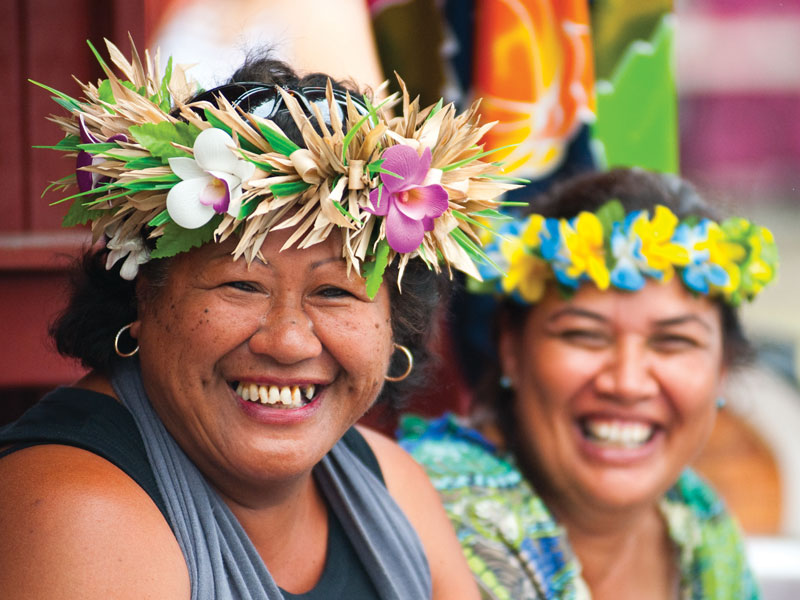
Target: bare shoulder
column 74, row 525
column 412, row 490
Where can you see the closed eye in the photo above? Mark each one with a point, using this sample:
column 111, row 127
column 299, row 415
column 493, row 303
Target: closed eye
column 243, row 286
column 584, row 337
column 334, row 292
column 674, row 343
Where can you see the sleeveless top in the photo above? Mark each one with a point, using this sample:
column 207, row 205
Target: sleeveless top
column 99, row 424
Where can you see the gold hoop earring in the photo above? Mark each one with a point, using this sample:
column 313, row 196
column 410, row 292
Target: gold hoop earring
column 119, row 352
column 407, row 372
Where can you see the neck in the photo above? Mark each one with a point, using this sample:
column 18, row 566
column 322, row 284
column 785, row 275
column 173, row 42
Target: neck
column 622, row 552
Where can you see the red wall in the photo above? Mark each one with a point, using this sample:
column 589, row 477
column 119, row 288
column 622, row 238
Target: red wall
column 43, row 40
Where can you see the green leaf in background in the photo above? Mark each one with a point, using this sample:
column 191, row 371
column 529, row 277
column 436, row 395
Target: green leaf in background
column 157, row 138
column 176, row 239
column 637, row 115
column 373, row 271
column 611, row 212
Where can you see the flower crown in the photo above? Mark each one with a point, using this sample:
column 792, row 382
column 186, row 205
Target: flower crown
column 733, row 260
column 151, row 163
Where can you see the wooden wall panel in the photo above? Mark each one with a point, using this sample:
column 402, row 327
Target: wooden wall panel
column 46, row 41
column 12, row 201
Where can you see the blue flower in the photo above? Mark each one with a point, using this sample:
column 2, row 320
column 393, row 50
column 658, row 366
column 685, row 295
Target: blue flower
column 700, row 274
column 626, row 247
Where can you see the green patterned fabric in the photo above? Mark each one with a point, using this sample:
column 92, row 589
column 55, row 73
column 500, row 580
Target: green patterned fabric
column 518, row 551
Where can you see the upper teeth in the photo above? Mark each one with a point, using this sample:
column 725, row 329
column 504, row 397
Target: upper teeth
column 289, row 396
column 623, row 433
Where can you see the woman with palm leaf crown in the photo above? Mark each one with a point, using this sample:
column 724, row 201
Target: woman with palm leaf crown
column 615, row 326
column 273, row 253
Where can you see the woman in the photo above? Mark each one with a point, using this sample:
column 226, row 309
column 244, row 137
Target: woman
column 236, row 327
column 617, row 328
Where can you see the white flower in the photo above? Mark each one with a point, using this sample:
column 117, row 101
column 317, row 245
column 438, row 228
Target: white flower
column 131, row 249
column 212, row 181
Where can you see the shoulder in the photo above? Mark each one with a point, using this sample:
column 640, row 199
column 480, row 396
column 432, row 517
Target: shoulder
column 708, row 537
column 412, row 490
column 76, row 526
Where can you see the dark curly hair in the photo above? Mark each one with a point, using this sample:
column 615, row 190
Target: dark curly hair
column 636, row 189
column 101, row 302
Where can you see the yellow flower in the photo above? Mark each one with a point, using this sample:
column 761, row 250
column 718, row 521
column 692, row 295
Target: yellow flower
column 657, row 248
column 724, row 252
column 584, row 245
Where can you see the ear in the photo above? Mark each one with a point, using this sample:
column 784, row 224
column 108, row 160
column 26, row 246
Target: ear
column 507, row 352
column 135, row 328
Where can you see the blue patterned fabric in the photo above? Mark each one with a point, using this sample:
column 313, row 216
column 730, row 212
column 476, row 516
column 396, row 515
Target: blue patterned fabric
column 518, row 551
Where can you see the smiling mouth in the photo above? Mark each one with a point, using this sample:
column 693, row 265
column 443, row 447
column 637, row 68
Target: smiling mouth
column 616, row 433
column 276, row 396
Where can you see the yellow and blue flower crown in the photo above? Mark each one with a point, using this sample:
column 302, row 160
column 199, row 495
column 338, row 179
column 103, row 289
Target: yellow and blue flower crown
column 732, row 260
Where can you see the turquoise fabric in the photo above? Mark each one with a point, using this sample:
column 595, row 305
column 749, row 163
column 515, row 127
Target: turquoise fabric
column 518, row 551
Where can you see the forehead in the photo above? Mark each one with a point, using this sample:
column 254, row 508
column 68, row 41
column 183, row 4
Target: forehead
column 655, row 302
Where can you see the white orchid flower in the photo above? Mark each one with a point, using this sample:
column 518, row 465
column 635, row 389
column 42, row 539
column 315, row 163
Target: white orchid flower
column 132, row 249
column 212, row 180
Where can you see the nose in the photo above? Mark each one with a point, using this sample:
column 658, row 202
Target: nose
column 287, row 335
column 628, row 375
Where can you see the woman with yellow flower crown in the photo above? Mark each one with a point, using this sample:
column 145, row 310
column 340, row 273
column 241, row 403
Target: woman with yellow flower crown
column 616, row 327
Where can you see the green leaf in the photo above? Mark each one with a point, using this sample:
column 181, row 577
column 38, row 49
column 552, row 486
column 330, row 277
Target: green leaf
column 97, row 56
column 105, row 93
column 373, row 114
column 220, row 125
column 611, row 212
column 475, row 252
column 78, row 214
column 279, row 142
column 157, row 138
column 435, row 109
column 289, row 188
column 142, row 162
column 466, row 161
column 346, row 213
column 373, row 271
column 248, row 207
column 69, row 142
column 490, row 213
column 176, row 239
column 69, row 103
column 98, row 147
column 469, row 219
column 159, row 219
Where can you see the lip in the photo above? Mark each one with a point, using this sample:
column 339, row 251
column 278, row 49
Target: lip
column 618, row 456
column 268, row 415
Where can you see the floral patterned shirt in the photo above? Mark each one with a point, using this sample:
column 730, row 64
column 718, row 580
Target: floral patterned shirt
column 518, row 551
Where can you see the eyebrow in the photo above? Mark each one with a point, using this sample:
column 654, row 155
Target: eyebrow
column 682, row 320
column 325, row 261
column 573, row 311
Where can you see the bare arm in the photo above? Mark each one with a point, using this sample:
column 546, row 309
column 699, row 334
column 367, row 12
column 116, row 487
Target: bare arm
column 74, row 526
column 412, row 490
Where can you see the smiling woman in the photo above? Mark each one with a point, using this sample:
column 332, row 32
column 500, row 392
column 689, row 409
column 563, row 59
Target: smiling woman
column 615, row 329
column 244, row 313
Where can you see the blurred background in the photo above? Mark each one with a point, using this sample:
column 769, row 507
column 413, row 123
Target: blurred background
column 708, row 88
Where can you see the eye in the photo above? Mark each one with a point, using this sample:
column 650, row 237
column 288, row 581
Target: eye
column 334, row 292
column 674, row 342
column 243, row 286
column 585, row 337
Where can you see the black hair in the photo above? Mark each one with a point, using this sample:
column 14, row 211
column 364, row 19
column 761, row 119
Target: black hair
column 636, row 189
column 101, row 302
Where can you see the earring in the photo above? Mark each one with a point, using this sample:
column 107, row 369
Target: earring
column 407, row 372
column 505, row 382
column 721, row 402
column 119, row 352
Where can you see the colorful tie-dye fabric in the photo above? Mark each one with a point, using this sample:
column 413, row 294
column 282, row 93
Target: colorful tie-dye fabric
column 518, row 551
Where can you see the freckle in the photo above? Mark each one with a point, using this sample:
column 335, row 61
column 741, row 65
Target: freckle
column 205, row 310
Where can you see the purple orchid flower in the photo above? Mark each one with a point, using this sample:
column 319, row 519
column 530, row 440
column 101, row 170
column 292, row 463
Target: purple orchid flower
column 87, row 180
column 410, row 201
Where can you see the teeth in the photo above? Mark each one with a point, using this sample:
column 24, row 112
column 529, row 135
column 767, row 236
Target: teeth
column 288, row 396
column 619, row 433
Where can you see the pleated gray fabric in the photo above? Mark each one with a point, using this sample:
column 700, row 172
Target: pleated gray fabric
column 222, row 561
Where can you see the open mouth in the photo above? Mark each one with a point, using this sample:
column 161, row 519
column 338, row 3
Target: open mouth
column 277, row 396
column 617, row 433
